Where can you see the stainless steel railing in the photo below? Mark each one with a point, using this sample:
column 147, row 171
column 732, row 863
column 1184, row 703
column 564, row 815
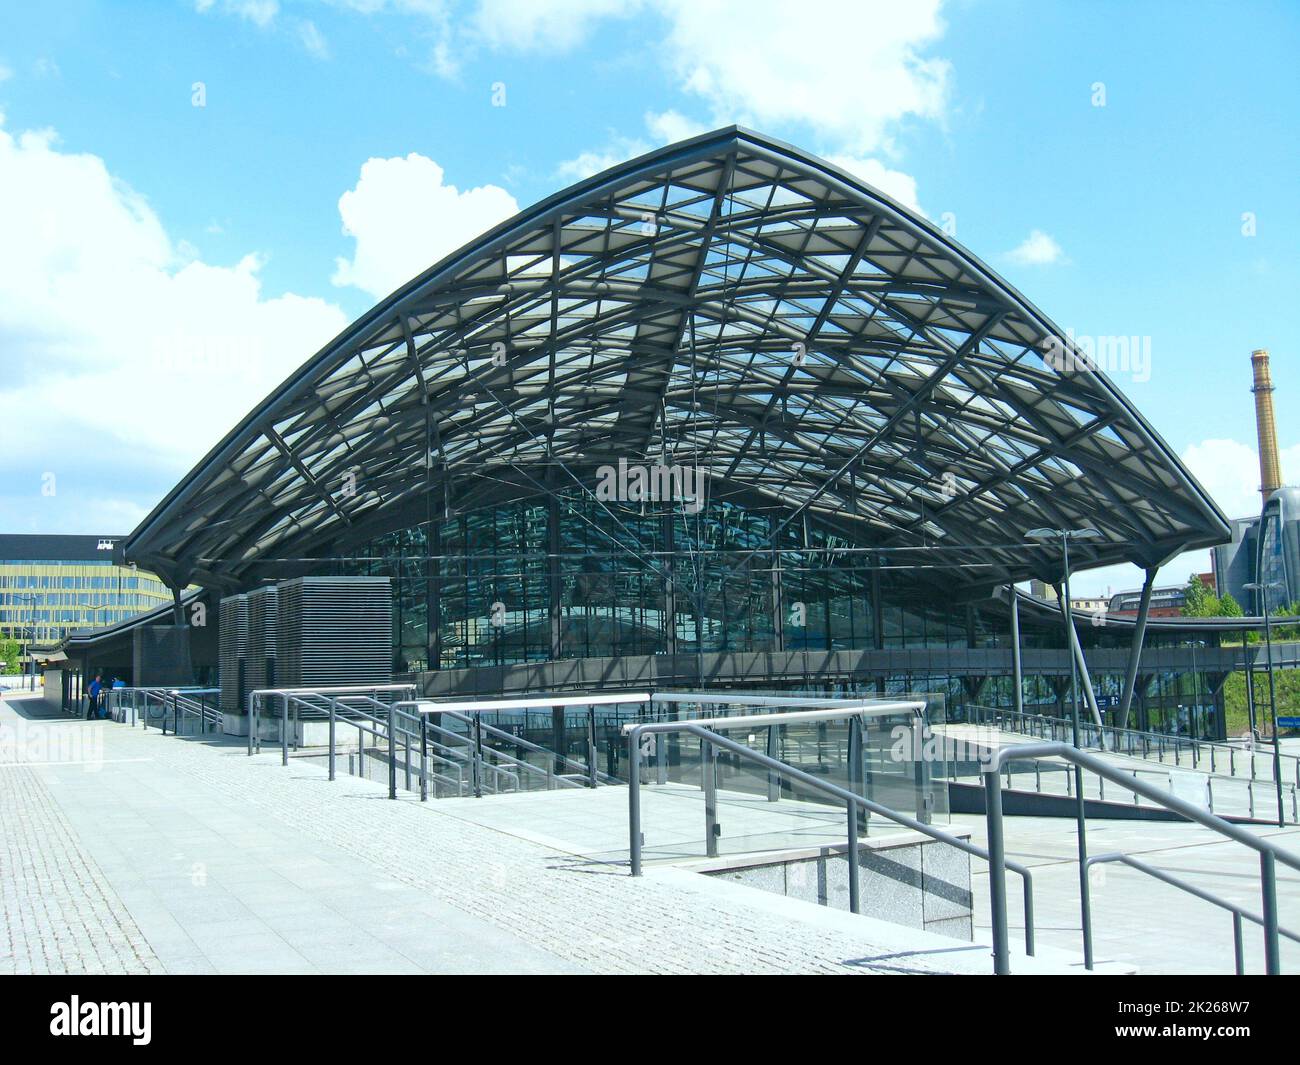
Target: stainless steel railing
column 1239, row 914
column 1269, row 853
column 308, row 700
column 855, row 804
column 1157, row 746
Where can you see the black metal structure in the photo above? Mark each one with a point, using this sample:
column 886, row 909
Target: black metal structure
column 729, row 304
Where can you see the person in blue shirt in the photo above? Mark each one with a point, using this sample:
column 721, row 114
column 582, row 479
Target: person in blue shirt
column 118, row 682
column 92, row 707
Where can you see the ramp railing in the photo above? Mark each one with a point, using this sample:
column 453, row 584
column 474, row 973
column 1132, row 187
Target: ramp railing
column 856, row 805
column 1269, row 853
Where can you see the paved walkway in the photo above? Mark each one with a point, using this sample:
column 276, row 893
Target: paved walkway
column 131, row 851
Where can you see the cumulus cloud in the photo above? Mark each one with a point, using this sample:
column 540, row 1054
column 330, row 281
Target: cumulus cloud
column 404, row 218
column 893, row 183
column 663, row 127
column 1037, row 249
column 260, row 12
column 124, row 355
column 668, row 127
column 553, row 26
column 850, row 85
column 1229, row 471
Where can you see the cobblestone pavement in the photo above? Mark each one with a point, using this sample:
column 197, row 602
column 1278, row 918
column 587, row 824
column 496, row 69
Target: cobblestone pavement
column 335, row 877
column 58, row 913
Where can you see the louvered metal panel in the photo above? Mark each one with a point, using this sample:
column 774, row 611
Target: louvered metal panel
column 335, row 631
column 263, row 620
column 232, row 652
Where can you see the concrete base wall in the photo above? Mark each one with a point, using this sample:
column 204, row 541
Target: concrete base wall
column 302, row 733
column 912, row 880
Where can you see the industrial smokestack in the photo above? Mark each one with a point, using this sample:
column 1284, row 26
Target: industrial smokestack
column 1270, row 468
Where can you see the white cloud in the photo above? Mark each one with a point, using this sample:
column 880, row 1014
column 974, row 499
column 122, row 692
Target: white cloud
column 550, row 26
column 312, row 39
column 122, row 354
column 893, row 183
column 259, row 12
column 1037, row 249
column 404, row 218
column 668, row 127
column 618, row 150
column 1229, row 471
column 848, row 70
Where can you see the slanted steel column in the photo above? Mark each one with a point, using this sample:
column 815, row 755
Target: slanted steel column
column 1017, row 675
column 1135, row 651
column 1085, row 680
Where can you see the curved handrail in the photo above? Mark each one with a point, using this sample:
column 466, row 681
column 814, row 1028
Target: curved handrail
column 854, row 802
column 1239, row 914
column 1269, row 852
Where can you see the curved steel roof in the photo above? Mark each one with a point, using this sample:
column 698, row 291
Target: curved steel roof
column 728, row 302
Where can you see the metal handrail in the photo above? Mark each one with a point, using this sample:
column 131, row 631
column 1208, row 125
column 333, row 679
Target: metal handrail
column 296, row 696
column 587, row 771
column 1164, row 771
column 1269, row 853
column 183, row 702
column 165, row 697
column 1146, row 740
column 853, row 802
column 1238, row 913
column 473, row 718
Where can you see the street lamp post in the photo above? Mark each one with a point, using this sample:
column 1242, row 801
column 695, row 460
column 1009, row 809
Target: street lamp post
column 1080, row 807
column 1263, row 587
column 28, row 634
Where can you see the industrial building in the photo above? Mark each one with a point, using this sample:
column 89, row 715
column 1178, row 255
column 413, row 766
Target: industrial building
column 1273, row 557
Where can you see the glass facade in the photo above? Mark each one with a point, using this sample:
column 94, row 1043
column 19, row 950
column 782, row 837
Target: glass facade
column 628, row 583
column 646, row 583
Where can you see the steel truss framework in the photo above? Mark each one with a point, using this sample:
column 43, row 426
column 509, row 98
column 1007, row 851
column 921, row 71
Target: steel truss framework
column 727, row 303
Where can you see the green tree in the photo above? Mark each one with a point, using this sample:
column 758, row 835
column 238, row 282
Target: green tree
column 1198, row 600
column 9, row 652
column 1229, row 607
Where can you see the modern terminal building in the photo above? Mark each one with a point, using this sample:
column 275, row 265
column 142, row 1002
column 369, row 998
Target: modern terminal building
column 722, row 415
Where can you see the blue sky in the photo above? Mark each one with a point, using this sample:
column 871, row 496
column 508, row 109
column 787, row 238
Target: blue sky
column 118, row 194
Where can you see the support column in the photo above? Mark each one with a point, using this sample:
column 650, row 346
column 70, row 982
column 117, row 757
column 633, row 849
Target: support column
column 433, row 594
column 778, row 599
column 1017, row 675
column 554, row 587
column 670, row 583
column 1084, row 679
column 1135, row 651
